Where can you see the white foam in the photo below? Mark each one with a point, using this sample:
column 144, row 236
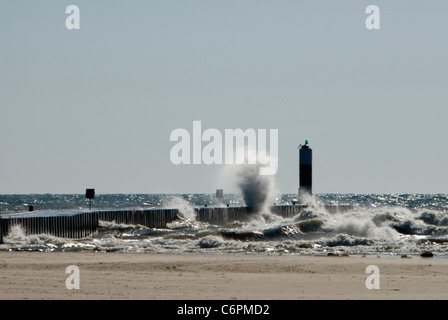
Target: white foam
column 185, row 208
column 210, row 242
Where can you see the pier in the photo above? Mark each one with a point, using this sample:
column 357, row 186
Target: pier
column 75, row 225
column 78, row 225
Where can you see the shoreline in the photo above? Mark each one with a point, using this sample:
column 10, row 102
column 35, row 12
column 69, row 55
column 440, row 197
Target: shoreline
column 155, row 276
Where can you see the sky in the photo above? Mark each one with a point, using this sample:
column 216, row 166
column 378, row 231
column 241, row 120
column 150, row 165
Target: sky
column 95, row 107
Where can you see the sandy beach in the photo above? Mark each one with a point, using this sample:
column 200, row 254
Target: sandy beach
column 39, row 275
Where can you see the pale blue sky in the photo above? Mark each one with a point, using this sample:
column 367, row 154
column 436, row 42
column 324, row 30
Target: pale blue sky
column 95, row 107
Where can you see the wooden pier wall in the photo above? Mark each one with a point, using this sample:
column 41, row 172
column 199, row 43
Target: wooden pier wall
column 65, row 226
column 151, row 218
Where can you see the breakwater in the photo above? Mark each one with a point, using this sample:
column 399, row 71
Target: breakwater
column 81, row 224
column 151, row 218
column 75, row 226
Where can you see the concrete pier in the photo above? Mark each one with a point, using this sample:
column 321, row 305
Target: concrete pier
column 82, row 224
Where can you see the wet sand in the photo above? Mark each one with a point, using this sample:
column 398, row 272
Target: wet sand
column 42, row 275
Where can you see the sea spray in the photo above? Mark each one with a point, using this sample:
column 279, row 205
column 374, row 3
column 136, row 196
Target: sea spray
column 312, row 203
column 357, row 222
column 364, row 227
column 257, row 190
column 16, row 235
column 16, row 239
column 186, row 210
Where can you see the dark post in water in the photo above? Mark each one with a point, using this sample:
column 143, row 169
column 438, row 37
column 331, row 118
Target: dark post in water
column 90, row 194
column 305, row 167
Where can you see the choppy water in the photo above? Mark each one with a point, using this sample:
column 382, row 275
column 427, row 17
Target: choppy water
column 379, row 224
